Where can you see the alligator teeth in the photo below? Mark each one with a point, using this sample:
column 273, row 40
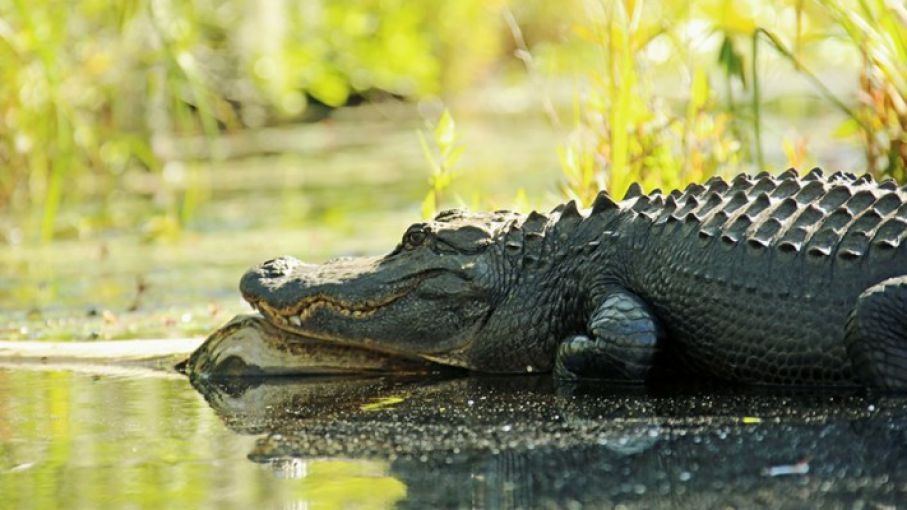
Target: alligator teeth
column 295, row 320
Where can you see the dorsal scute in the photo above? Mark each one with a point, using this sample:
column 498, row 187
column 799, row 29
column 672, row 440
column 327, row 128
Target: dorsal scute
column 823, row 242
column 694, row 190
column 789, row 174
column 860, row 201
column 535, row 224
column 633, row 191
column 888, row 202
column 834, row 197
column 767, row 230
column 785, row 209
column 758, row 204
column 716, row 222
column 641, row 205
column 709, row 203
column 738, row 200
column 787, row 188
column 739, row 226
column 764, row 185
column 796, row 236
column 565, row 219
column 867, row 222
column 810, row 192
column 716, row 185
column 893, row 231
column 853, row 245
column 888, row 184
column 823, row 215
column 603, row 202
column 688, row 205
column 809, row 216
column 569, row 213
column 864, row 179
column 740, row 183
column 837, row 176
column 837, row 220
column 814, row 175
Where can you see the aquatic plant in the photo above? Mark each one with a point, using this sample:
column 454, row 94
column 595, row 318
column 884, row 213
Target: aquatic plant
column 442, row 158
column 624, row 132
column 878, row 28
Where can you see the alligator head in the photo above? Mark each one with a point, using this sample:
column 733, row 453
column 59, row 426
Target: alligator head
column 453, row 291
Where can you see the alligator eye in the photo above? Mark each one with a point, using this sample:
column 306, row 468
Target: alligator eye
column 414, row 238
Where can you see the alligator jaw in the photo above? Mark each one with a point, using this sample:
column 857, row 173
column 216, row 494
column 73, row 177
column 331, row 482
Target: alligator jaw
column 294, row 324
column 303, row 309
column 293, row 316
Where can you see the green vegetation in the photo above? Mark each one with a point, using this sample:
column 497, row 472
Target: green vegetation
column 628, row 133
column 879, row 29
column 92, row 92
column 442, row 164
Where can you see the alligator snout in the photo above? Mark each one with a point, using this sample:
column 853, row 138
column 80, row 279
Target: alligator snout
column 276, row 268
column 268, row 281
column 285, row 283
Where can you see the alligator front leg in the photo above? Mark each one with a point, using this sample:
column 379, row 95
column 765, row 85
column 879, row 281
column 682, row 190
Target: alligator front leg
column 876, row 335
column 624, row 337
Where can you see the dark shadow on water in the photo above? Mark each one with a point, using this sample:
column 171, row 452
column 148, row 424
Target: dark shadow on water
column 527, row 442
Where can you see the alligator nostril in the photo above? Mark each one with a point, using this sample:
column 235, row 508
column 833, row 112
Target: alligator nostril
column 262, row 280
column 272, row 269
column 278, row 267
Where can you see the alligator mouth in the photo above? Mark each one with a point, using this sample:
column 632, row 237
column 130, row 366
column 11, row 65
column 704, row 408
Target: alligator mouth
column 308, row 306
column 298, row 313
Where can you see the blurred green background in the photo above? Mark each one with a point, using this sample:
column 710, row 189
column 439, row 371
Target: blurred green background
column 150, row 151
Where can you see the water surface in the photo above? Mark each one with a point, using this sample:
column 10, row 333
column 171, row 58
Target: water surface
column 83, row 440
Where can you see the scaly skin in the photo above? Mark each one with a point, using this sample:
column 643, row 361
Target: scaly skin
column 767, row 280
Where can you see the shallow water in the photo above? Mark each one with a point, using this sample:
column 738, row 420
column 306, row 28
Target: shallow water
column 84, row 440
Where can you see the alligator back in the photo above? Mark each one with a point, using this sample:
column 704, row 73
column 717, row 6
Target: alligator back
column 754, row 278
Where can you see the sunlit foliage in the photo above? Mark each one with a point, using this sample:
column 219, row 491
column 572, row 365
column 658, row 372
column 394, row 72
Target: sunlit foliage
column 665, row 91
column 879, row 29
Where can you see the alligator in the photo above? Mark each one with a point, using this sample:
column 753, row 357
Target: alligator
column 782, row 279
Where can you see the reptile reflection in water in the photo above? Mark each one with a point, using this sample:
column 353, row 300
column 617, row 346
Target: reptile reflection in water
column 526, row 442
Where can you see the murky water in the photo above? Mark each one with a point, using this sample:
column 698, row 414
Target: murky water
column 80, row 440
column 71, row 440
